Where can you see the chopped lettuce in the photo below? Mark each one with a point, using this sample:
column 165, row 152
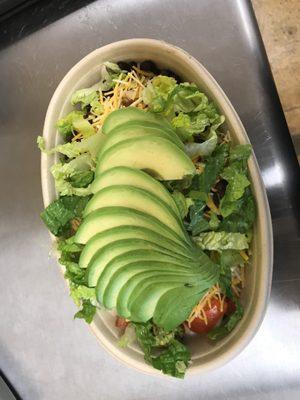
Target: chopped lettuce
column 243, row 216
column 81, row 292
column 59, row 214
column 87, row 311
column 74, row 122
column 90, row 96
column 188, row 109
column 228, row 323
column 157, row 92
column 64, row 173
column 194, row 150
column 90, row 145
column 202, row 183
column 236, row 176
column 222, row 241
column 183, row 203
column 197, row 223
column 162, row 349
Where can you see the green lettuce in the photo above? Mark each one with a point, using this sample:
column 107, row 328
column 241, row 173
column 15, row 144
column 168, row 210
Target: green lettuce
column 236, row 176
column 74, row 122
column 183, row 203
column 90, row 96
column 157, row 92
column 87, row 311
column 228, row 323
column 243, row 216
column 202, row 183
column 197, row 223
column 81, row 292
column 74, row 149
column 64, row 173
column 205, row 148
column 162, row 349
column 222, row 241
column 59, row 214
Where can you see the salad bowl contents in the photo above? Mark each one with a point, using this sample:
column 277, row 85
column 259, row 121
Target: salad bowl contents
column 154, row 214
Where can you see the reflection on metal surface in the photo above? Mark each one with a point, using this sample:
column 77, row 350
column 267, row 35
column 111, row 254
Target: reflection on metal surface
column 273, row 176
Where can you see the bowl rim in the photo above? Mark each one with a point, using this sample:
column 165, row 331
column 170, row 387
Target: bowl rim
column 240, row 132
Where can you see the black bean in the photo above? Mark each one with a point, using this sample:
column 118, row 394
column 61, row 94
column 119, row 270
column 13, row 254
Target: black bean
column 171, row 74
column 125, row 66
column 149, row 66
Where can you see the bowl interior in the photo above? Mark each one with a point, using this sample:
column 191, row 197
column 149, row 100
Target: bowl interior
column 205, row 354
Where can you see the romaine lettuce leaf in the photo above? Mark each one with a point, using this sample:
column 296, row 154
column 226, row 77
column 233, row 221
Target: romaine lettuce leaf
column 162, row 349
column 222, row 241
column 194, row 150
column 90, row 145
column 58, row 215
column 243, row 216
column 63, row 173
column 156, row 93
column 202, row 183
column 72, row 122
column 81, row 292
column 89, row 96
column 236, row 176
column 87, row 311
column 183, row 203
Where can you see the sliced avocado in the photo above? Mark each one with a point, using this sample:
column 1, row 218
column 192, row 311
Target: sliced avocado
column 208, row 273
column 174, row 307
column 129, row 232
column 137, row 199
column 121, row 268
column 124, row 115
column 134, row 282
column 143, row 303
column 104, row 255
column 156, row 155
column 110, row 217
column 128, row 131
column 134, row 177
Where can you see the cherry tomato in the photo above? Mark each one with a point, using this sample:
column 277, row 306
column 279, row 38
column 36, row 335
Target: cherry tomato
column 231, row 307
column 213, row 315
column 121, row 323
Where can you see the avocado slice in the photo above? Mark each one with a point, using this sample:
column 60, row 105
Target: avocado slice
column 130, row 232
column 121, row 268
column 137, row 199
column 110, row 217
column 143, row 301
column 156, row 155
column 132, row 284
column 134, row 177
column 124, row 115
column 134, row 130
column 107, row 253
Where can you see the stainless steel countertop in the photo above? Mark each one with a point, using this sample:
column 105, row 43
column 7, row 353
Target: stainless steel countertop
column 43, row 352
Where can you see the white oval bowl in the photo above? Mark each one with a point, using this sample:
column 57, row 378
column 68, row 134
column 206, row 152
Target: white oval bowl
column 205, row 355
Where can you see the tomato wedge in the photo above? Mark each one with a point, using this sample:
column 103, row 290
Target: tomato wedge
column 214, row 314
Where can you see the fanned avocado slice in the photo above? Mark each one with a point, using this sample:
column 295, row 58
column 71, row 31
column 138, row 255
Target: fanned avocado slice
column 133, row 177
column 156, row 155
column 137, row 199
column 130, row 232
column 112, row 250
column 129, row 114
column 122, row 268
column 110, row 217
column 137, row 129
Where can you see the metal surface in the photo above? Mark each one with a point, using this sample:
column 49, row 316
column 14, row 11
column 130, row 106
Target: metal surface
column 43, row 352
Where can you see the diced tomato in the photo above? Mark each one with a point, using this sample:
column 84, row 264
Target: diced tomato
column 121, row 323
column 214, row 314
